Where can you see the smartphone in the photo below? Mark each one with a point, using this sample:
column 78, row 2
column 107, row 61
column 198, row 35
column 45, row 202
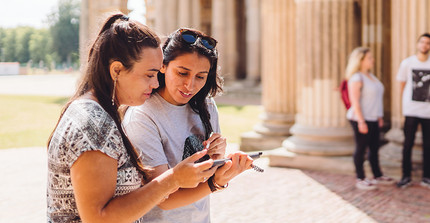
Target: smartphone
column 221, row 162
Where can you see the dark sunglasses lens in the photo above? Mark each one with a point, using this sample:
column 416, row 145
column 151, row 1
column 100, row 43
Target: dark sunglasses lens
column 208, row 43
column 189, row 38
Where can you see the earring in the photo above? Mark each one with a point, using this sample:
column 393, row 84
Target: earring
column 113, row 94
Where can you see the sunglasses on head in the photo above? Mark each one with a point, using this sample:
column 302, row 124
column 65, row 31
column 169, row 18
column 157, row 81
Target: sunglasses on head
column 191, row 37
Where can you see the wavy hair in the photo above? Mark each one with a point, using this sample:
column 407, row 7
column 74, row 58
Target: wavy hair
column 175, row 46
column 354, row 61
column 123, row 40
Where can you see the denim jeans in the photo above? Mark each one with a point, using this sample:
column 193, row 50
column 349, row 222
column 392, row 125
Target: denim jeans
column 410, row 129
column 362, row 142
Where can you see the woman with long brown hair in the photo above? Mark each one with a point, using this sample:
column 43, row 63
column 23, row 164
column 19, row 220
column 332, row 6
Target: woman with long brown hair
column 94, row 172
column 180, row 119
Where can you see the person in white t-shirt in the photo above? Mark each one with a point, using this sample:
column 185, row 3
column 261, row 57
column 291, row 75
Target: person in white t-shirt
column 181, row 118
column 365, row 115
column 414, row 78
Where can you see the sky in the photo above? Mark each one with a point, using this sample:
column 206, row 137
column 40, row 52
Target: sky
column 34, row 13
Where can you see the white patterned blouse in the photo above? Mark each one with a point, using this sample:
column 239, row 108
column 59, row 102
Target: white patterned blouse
column 85, row 126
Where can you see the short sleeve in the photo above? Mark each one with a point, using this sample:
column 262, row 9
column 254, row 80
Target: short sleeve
column 145, row 136
column 355, row 78
column 87, row 127
column 213, row 111
column 402, row 74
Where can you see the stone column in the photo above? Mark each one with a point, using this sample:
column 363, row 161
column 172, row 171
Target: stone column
column 165, row 16
column 409, row 21
column 83, row 31
column 253, row 39
column 195, row 15
column 189, row 14
column 328, row 32
column 184, row 13
column 93, row 15
column 376, row 35
column 224, row 30
column 278, row 67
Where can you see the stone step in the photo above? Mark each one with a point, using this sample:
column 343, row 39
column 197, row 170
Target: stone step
column 389, row 157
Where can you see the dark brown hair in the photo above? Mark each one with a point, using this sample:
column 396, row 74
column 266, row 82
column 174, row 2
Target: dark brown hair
column 121, row 40
column 175, row 46
column 424, row 35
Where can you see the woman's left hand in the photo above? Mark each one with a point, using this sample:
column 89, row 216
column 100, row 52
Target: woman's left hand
column 239, row 162
column 217, row 146
column 380, row 122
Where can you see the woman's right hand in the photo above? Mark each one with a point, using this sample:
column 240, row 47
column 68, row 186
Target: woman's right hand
column 188, row 174
column 362, row 127
column 239, row 162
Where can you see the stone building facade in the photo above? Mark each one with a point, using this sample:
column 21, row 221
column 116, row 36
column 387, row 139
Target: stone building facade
column 297, row 51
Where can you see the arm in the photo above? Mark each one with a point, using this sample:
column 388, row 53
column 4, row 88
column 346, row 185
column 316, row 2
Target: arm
column 402, row 87
column 354, row 95
column 239, row 163
column 94, row 187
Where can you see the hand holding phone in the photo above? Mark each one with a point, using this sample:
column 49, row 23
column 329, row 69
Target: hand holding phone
column 221, row 162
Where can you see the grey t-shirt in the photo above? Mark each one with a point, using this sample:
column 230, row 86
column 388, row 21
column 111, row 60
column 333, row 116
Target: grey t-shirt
column 371, row 98
column 163, row 133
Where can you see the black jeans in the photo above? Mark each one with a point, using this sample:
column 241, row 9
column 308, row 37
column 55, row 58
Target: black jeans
column 410, row 129
column 362, row 141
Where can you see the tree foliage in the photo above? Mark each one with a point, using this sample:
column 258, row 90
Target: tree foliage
column 9, row 47
column 59, row 43
column 64, row 28
column 23, row 35
column 40, row 47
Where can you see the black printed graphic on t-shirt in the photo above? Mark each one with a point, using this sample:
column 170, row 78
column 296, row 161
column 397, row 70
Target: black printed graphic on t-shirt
column 193, row 144
column 421, row 85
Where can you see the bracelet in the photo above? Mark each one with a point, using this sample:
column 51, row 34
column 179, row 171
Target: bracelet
column 214, row 186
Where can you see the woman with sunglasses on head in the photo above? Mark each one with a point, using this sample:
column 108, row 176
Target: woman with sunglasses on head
column 94, row 172
column 181, row 118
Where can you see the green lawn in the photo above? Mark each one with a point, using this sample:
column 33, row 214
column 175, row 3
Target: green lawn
column 27, row 121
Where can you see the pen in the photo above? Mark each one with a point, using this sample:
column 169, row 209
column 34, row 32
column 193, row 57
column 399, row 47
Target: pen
column 207, row 146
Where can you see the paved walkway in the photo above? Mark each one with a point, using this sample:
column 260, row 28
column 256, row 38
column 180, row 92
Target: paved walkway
column 50, row 84
column 277, row 195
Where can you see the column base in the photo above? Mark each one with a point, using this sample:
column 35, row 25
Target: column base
column 320, row 141
column 393, row 150
column 334, row 164
column 253, row 141
column 275, row 124
column 396, row 135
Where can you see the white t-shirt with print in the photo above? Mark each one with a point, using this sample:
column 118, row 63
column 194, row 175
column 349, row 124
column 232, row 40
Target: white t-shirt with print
column 416, row 95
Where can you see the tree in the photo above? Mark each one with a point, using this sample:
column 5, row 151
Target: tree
column 23, row 35
column 10, row 46
column 64, row 28
column 2, row 45
column 40, row 46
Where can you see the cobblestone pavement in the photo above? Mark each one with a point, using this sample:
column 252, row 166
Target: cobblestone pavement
column 277, row 195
